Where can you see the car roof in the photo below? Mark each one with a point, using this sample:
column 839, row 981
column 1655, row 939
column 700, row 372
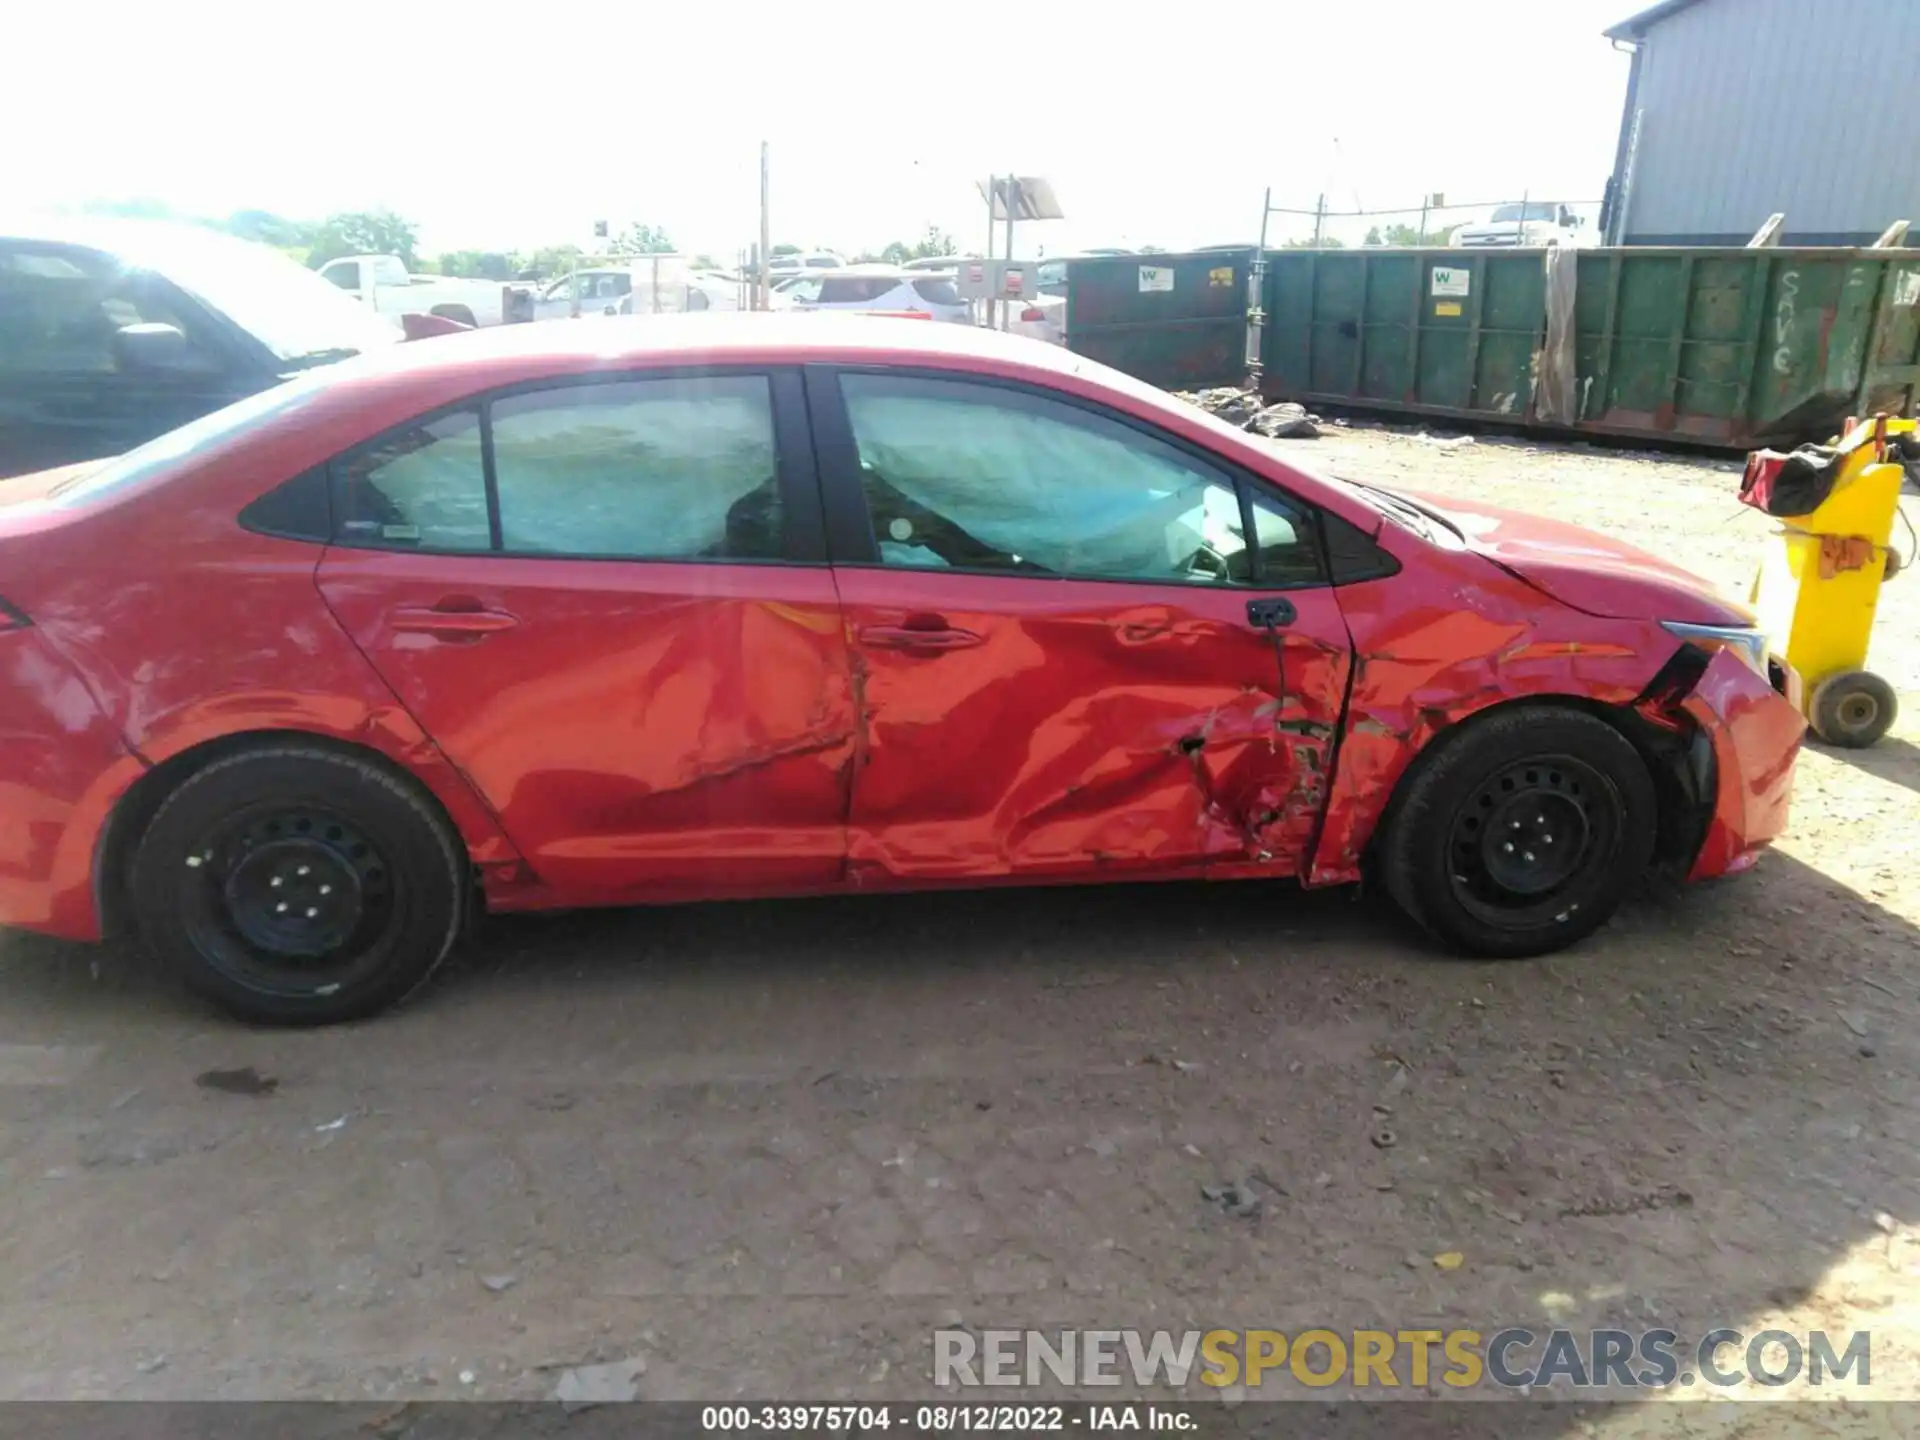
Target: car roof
column 147, row 243
column 752, row 337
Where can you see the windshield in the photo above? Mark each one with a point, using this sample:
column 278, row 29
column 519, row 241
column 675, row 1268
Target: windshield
column 190, row 440
column 285, row 306
column 1523, row 212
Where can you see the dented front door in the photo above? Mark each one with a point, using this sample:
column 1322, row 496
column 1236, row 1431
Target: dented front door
column 1073, row 727
column 1059, row 670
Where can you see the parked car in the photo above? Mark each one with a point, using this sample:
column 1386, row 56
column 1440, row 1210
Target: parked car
column 884, row 288
column 1534, row 223
column 1044, row 316
column 385, row 281
column 641, row 288
column 115, row 331
column 655, row 610
column 937, row 264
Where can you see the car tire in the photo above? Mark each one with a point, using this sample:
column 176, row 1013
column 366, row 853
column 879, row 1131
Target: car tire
column 297, row 885
column 1520, row 833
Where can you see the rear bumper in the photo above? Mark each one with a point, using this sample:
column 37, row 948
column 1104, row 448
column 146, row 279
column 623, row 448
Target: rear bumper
column 62, row 765
column 1755, row 732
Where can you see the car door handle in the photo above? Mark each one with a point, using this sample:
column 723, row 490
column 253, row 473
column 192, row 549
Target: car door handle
column 452, row 622
column 1270, row 613
column 917, row 637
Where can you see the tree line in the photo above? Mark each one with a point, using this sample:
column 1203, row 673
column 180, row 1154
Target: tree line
column 386, row 232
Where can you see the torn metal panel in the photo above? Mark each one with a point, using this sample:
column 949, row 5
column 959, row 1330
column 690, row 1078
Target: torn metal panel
column 1477, row 638
column 1756, row 737
column 1094, row 728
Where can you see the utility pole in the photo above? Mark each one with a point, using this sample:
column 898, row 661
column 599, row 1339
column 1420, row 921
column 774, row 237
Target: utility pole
column 766, row 236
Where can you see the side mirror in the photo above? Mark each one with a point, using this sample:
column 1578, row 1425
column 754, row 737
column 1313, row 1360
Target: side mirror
column 151, row 346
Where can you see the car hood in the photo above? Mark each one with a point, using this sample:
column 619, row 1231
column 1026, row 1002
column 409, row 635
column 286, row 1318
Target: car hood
column 1586, row 570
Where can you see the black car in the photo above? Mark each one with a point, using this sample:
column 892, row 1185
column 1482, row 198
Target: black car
column 113, row 332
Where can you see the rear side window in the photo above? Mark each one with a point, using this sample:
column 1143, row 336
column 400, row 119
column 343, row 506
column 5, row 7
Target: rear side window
column 937, row 292
column 854, row 289
column 676, row 468
column 665, row 469
column 423, row 488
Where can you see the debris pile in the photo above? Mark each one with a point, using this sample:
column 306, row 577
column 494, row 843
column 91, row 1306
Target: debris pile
column 1245, row 408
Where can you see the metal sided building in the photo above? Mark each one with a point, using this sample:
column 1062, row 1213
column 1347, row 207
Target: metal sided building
column 1738, row 109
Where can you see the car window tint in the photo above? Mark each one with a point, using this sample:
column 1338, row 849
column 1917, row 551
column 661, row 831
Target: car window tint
column 937, row 292
column 420, row 488
column 667, row 469
column 982, row 477
column 804, row 291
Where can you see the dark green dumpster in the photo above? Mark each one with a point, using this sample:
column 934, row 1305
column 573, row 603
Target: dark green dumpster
column 1732, row 347
column 1176, row 320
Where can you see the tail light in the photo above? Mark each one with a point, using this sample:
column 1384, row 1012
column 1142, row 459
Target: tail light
column 897, row 314
column 1032, row 314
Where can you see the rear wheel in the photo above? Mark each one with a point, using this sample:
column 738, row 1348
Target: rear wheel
column 1522, row 833
column 299, row 885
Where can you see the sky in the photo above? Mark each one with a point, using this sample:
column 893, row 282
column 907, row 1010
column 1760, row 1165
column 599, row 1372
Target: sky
column 510, row 129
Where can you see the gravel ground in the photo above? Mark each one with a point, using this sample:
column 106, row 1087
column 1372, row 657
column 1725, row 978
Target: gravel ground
column 766, row 1148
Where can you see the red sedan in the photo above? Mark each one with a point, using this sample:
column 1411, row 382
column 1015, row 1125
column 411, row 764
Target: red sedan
column 646, row 611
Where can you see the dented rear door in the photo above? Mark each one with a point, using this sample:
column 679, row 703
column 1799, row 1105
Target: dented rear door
column 1048, row 613
column 608, row 604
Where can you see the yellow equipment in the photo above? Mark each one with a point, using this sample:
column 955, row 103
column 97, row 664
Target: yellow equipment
column 1820, row 581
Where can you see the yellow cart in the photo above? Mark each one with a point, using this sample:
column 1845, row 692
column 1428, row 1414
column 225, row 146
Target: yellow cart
column 1820, row 579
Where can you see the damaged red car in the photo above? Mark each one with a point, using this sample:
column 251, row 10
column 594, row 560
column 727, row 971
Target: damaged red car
column 661, row 610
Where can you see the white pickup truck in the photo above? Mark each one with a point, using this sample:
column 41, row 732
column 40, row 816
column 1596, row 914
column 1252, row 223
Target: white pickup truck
column 384, row 283
column 1537, row 223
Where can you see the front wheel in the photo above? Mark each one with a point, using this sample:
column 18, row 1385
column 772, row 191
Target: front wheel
column 299, row 886
column 1522, row 833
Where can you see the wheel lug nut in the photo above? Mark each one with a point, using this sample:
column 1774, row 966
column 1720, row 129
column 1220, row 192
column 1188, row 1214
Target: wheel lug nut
column 1507, row 848
column 277, row 882
column 281, row 908
column 311, row 912
column 302, row 870
column 1526, row 855
column 328, row 889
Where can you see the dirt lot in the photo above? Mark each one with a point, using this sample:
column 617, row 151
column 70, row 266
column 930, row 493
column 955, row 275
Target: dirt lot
column 766, row 1148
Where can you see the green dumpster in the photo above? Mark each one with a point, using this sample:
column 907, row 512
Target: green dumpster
column 1731, row 347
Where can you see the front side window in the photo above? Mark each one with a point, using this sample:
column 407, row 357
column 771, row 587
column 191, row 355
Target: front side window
column 968, row 476
column 61, row 311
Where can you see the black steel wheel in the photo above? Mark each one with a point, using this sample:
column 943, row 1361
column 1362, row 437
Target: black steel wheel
column 1852, row 710
column 299, row 886
column 1520, row 832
